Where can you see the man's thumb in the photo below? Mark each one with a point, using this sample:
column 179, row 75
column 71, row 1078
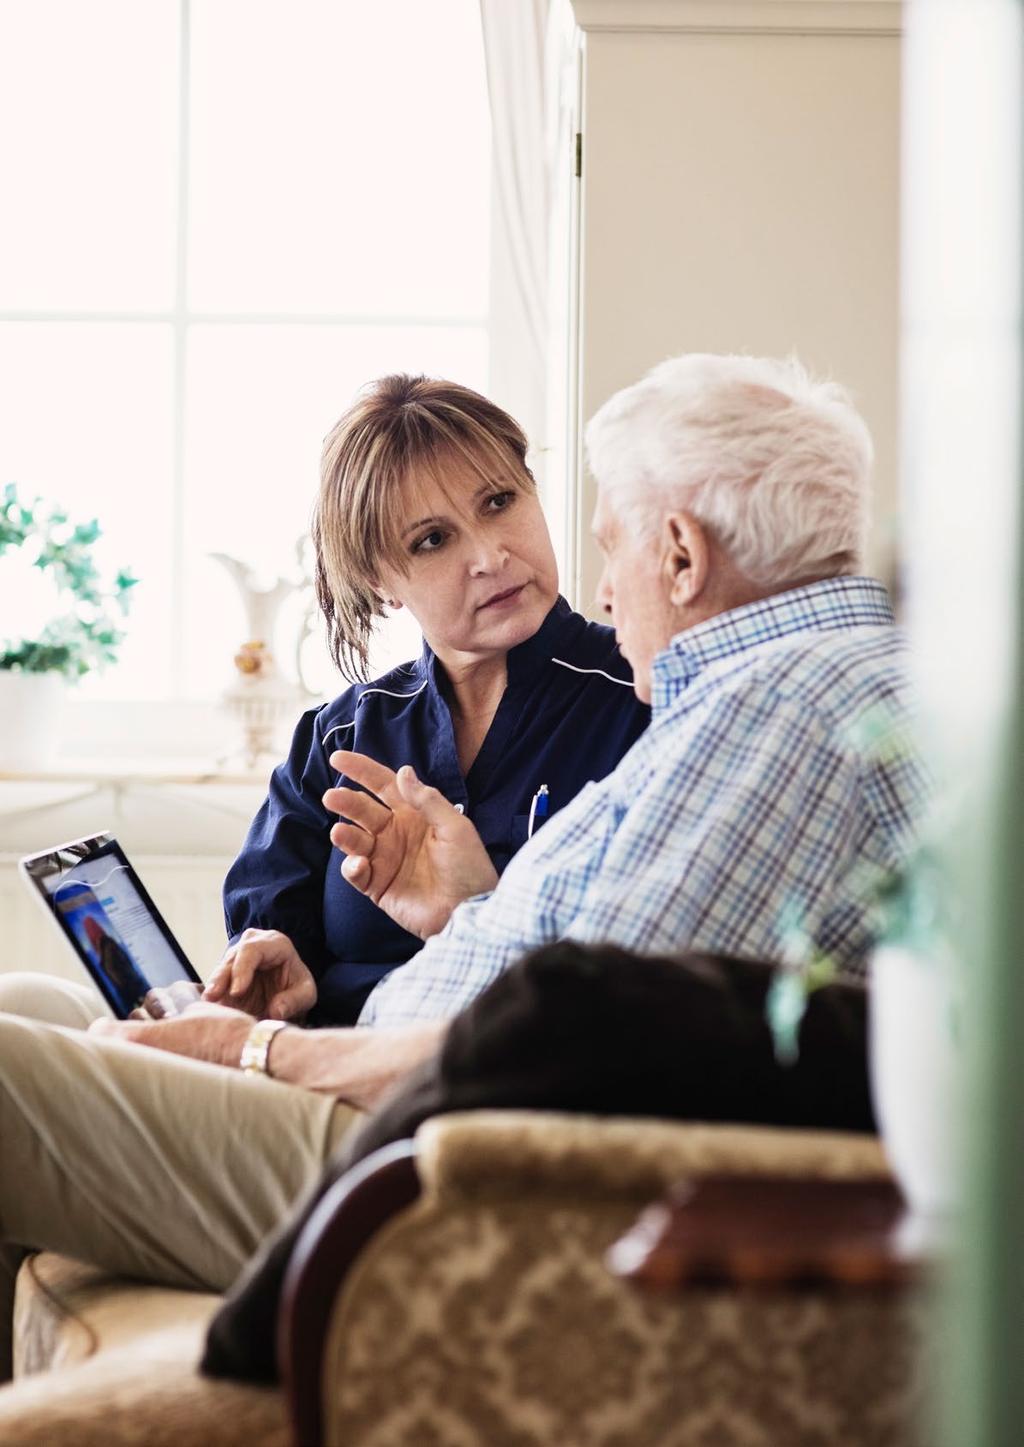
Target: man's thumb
column 434, row 807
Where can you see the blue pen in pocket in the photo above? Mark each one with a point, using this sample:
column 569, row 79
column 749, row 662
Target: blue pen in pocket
column 538, row 810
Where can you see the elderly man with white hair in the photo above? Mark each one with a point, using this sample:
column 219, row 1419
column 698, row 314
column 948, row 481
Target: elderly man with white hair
column 771, row 791
column 775, row 787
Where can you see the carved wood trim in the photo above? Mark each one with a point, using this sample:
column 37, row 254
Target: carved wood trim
column 755, row 1231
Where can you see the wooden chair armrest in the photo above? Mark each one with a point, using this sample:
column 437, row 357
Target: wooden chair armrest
column 769, row 1231
column 348, row 1216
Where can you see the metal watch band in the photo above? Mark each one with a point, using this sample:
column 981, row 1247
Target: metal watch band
column 257, row 1046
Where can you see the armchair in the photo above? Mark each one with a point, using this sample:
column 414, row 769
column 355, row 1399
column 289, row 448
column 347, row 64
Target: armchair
column 482, row 1309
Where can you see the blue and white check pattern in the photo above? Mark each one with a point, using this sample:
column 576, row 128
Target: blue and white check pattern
column 774, row 785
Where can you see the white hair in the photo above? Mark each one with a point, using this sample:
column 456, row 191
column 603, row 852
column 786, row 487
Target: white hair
column 773, row 463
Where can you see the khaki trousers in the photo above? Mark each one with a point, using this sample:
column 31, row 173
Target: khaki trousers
column 145, row 1163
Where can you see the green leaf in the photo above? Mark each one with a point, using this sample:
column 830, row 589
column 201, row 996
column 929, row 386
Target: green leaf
column 86, row 636
column 785, row 1006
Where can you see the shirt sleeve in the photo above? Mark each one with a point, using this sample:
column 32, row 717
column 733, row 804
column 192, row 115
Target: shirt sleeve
column 490, row 932
column 277, row 881
column 714, row 832
column 741, row 842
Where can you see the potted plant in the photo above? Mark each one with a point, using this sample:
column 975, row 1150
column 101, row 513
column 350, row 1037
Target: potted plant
column 83, row 635
column 916, row 1032
column 916, row 1016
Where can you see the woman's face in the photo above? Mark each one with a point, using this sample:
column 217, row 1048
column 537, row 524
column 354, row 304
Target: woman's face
column 481, row 573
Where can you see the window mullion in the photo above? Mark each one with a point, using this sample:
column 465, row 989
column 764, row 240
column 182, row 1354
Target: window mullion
column 177, row 640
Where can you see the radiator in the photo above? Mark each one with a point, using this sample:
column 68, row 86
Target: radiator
column 186, row 891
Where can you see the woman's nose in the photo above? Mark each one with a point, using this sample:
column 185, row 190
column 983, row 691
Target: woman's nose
column 488, row 555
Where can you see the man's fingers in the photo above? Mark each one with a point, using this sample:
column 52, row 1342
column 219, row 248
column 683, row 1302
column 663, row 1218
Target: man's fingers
column 432, row 804
column 356, row 868
column 361, row 808
column 378, row 778
column 351, row 840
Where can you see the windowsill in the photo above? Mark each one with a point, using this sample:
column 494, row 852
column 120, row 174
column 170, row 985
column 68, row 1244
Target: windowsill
column 184, row 807
column 186, row 740
column 126, row 772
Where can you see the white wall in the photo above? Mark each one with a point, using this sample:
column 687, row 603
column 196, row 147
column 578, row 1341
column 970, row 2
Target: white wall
column 740, row 192
column 181, row 834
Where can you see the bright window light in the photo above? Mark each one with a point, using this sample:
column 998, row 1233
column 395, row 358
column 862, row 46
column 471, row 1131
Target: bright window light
column 222, row 217
column 88, row 113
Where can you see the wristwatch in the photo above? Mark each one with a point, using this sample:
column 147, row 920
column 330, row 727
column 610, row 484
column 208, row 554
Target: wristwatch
column 256, row 1050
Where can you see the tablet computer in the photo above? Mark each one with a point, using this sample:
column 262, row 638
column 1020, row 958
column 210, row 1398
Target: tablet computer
column 102, row 908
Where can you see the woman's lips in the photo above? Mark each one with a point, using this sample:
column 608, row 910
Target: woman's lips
column 503, row 599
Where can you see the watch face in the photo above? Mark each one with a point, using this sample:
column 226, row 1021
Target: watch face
column 256, row 1050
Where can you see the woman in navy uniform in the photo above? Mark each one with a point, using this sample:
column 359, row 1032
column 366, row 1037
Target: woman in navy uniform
column 515, row 703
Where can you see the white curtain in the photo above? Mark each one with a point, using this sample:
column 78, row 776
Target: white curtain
column 514, row 34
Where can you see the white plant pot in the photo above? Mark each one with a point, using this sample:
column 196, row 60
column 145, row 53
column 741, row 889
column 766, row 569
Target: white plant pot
column 31, row 712
column 915, row 1060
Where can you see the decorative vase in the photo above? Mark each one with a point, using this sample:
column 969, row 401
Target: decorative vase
column 915, row 1058
column 31, row 711
column 260, row 698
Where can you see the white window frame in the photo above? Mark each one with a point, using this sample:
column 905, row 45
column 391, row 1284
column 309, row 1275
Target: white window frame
column 172, row 726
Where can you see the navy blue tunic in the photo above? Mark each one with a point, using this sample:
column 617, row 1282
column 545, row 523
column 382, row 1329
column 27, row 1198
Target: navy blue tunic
column 568, row 714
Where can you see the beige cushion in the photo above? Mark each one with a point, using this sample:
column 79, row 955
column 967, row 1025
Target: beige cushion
column 507, row 1152
column 123, row 1367
column 65, row 1312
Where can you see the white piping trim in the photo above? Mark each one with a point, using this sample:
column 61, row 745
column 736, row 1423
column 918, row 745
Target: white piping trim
column 624, row 682
column 336, row 729
column 390, row 693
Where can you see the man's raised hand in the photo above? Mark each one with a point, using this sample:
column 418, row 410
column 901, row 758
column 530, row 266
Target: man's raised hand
column 409, row 850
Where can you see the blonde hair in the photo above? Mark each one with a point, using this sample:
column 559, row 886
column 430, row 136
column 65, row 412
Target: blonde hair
column 775, row 463
column 398, row 425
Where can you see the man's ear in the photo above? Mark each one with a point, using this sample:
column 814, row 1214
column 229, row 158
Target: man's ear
column 686, row 559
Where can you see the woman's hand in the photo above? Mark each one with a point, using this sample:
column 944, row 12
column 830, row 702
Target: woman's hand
column 263, row 975
column 408, row 849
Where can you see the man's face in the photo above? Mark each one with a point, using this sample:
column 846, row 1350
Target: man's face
column 635, row 589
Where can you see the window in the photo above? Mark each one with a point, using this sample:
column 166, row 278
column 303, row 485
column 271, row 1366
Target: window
column 220, row 218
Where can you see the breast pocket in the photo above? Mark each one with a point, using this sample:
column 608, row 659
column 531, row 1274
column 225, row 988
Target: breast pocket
column 519, row 831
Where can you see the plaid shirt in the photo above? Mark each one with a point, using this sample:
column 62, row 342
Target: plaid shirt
column 773, row 789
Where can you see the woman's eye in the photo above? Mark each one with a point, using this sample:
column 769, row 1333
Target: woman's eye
column 499, row 501
column 429, row 543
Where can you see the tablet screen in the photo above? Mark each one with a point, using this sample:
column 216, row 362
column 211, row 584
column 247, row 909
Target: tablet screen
column 104, row 911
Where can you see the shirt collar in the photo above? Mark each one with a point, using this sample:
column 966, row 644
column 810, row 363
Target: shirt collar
column 526, row 658
column 835, row 605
